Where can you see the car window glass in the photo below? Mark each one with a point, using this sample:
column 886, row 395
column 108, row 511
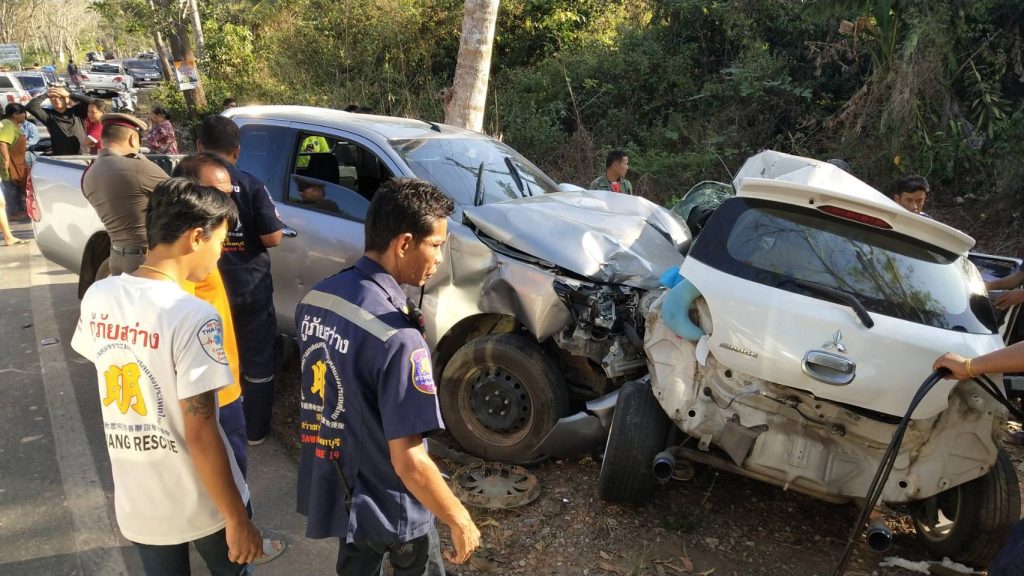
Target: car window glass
column 321, row 196
column 456, row 165
column 338, row 162
column 32, row 81
column 5, row 82
column 105, row 68
column 888, row 273
column 261, row 146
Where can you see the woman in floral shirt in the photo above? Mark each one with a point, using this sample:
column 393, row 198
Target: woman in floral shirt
column 160, row 138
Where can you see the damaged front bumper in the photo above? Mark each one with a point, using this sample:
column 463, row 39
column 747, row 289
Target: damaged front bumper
column 581, row 433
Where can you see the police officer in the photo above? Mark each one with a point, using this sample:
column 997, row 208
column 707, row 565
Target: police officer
column 245, row 266
column 368, row 398
column 118, row 185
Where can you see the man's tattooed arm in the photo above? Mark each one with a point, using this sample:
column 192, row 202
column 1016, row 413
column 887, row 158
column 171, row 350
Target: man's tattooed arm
column 202, row 405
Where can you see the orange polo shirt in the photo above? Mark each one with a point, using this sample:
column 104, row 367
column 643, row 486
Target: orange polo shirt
column 211, row 290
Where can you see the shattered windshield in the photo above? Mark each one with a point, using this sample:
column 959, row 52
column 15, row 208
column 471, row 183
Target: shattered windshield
column 473, row 171
column 888, row 273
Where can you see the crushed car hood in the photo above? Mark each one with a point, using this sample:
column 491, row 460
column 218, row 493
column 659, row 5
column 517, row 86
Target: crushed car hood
column 604, row 236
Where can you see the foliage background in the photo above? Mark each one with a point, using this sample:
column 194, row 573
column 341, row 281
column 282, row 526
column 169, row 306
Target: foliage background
column 690, row 88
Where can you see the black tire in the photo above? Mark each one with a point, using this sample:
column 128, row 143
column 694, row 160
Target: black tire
column 638, row 432
column 500, row 395
column 971, row 522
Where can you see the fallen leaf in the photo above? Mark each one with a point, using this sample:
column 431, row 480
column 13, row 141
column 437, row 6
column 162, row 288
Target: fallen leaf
column 483, row 564
column 659, row 570
column 604, row 555
column 609, row 567
column 705, row 573
column 687, row 564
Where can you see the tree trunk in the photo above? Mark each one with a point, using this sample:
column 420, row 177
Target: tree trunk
column 468, row 97
column 197, row 28
column 181, row 48
column 161, row 53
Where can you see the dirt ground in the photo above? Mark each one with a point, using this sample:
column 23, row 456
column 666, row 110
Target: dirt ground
column 716, row 523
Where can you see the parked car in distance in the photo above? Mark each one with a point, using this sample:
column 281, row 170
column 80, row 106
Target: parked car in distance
column 105, row 78
column 34, row 82
column 144, row 72
column 11, row 90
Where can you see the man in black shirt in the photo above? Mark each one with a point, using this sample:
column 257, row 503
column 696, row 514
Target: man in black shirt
column 64, row 121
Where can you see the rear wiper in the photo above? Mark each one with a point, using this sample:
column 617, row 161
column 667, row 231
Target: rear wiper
column 515, row 176
column 844, row 297
column 478, row 198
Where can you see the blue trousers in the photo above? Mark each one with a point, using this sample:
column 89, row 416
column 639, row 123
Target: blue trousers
column 172, row 560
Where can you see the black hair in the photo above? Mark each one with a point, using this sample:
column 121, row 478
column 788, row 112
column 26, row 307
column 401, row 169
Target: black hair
column 218, row 134
column 14, row 108
column 178, row 205
column 160, row 111
column 116, row 132
column 228, row 102
column 191, row 166
column 404, row 205
column 911, row 183
column 613, row 157
column 841, row 164
column 100, row 104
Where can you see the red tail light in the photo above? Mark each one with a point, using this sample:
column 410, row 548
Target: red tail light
column 10, row 99
column 31, row 204
column 118, row 79
column 855, row 217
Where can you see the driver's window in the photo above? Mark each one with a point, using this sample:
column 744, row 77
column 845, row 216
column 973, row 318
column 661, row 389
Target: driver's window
column 337, row 162
column 327, row 197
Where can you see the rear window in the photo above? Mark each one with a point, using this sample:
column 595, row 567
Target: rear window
column 105, row 68
column 141, row 64
column 6, row 84
column 889, row 273
column 32, row 81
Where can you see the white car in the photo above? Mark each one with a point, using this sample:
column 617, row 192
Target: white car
column 105, row 78
column 808, row 311
column 11, row 90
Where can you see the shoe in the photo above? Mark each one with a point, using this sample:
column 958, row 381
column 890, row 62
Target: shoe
column 271, row 549
column 257, row 442
column 17, row 241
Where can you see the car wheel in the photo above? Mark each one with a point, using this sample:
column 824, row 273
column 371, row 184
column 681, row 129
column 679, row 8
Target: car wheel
column 500, row 395
column 970, row 523
column 638, row 432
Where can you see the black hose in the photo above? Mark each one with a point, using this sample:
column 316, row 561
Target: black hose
column 882, row 474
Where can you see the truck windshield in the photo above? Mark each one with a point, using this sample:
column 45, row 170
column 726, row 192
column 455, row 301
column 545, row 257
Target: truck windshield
column 454, row 166
column 889, row 273
column 31, row 82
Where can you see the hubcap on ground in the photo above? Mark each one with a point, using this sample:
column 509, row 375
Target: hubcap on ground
column 495, row 485
column 499, row 401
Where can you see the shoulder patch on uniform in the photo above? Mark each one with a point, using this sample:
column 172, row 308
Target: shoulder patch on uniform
column 422, row 372
column 211, row 338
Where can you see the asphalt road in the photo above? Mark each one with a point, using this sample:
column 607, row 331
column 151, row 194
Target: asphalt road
column 56, row 493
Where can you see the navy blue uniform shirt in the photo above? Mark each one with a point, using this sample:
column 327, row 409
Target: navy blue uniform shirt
column 366, row 379
column 244, row 262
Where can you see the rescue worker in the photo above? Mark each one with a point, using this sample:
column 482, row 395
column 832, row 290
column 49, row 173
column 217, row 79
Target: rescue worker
column 245, row 266
column 118, row 184
column 368, row 398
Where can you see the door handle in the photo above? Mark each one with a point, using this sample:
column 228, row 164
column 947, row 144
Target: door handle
column 829, row 368
column 289, row 232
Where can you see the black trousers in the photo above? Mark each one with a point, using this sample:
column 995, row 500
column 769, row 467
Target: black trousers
column 256, row 334
column 418, row 557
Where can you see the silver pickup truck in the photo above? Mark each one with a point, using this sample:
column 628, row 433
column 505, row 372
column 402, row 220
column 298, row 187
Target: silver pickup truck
column 105, row 78
column 535, row 311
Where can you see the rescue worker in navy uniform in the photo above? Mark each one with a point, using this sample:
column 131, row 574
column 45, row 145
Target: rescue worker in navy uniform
column 245, row 266
column 368, row 398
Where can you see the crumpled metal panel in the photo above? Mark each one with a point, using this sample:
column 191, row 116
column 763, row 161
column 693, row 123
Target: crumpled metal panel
column 604, row 236
column 527, row 293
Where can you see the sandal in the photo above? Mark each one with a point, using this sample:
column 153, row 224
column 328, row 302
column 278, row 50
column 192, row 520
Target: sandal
column 271, row 549
column 17, row 241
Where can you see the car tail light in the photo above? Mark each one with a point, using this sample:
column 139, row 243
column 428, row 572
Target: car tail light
column 118, row 79
column 856, row 217
column 10, row 99
column 83, row 76
column 31, row 204
column 25, row 98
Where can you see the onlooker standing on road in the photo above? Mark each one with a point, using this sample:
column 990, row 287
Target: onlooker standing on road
column 28, row 128
column 64, row 120
column 176, row 481
column 118, row 185
column 73, row 74
column 368, row 398
column 614, row 177
column 245, row 266
column 911, row 192
column 160, row 139
column 94, row 125
column 12, row 152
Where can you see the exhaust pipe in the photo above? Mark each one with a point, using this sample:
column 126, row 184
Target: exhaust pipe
column 879, row 535
column 664, row 466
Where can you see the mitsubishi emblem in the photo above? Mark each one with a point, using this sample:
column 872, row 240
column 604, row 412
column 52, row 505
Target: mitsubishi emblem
column 835, row 343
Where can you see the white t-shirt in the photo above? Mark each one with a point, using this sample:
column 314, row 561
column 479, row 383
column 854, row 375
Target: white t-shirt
column 153, row 345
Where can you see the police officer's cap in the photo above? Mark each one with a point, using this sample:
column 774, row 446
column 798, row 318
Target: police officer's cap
column 126, row 120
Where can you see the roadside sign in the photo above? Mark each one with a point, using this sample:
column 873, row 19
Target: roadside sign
column 9, row 53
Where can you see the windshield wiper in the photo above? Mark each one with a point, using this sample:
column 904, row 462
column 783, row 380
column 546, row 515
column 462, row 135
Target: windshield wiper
column 844, row 297
column 478, row 198
column 515, row 176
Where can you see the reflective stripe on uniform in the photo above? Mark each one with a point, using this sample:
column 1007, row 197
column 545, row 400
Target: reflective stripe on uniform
column 350, row 312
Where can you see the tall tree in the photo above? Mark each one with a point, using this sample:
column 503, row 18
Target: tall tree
column 464, row 105
column 181, row 45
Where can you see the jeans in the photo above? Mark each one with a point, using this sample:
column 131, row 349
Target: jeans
column 12, row 197
column 172, row 560
column 418, row 557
